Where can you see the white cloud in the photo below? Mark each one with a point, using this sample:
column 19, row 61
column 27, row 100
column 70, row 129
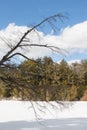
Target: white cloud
column 74, row 61
column 73, row 39
column 12, row 34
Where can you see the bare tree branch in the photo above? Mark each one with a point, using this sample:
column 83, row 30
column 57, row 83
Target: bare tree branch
column 19, row 44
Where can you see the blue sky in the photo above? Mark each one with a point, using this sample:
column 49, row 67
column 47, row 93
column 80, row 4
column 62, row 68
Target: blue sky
column 30, row 12
column 24, row 12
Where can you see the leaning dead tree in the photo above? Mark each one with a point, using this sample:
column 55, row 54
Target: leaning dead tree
column 22, row 43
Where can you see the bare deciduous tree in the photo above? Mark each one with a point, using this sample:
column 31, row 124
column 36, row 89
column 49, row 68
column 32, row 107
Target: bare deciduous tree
column 24, row 41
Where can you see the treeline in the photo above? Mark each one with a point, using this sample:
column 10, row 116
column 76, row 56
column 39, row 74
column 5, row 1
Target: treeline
column 44, row 80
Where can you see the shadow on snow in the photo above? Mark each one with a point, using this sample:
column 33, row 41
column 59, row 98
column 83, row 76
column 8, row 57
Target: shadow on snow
column 50, row 124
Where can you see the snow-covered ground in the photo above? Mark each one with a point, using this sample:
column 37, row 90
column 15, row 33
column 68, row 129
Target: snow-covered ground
column 18, row 115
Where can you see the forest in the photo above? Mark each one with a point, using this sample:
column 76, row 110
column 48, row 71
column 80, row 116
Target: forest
column 44, row 80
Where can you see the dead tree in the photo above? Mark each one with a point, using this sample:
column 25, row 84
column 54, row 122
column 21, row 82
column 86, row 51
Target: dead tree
column 24, row 42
